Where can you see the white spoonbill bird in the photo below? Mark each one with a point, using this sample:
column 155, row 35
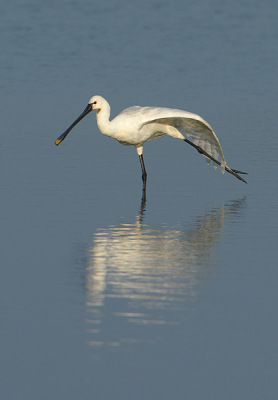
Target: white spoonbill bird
column 136, row 125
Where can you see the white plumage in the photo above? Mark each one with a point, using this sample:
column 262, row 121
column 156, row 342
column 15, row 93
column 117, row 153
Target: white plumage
column 136, row 125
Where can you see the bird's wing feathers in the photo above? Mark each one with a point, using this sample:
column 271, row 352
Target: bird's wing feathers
column 197, row 129
column 133, row 110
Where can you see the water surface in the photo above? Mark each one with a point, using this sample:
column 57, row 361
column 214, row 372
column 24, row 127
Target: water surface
column 103, row 296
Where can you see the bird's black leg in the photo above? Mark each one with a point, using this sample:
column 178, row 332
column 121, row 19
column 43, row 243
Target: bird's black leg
column 144, row 173
column 234, row 172
column 143, row 206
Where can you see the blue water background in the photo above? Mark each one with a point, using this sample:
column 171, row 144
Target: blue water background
column 102, row 298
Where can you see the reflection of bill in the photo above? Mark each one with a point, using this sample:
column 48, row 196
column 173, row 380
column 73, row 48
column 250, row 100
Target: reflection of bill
column 148, row 275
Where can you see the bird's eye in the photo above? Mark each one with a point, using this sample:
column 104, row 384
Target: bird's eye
column 94, row 102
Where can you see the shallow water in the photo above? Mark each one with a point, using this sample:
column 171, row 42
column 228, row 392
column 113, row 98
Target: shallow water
column 105, row 296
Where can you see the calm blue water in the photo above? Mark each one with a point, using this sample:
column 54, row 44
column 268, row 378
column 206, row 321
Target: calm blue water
column 103, row 297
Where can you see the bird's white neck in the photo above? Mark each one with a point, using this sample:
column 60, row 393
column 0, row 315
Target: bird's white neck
column 103, row 122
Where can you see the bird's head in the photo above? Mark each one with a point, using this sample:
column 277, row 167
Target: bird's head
column 97, row 103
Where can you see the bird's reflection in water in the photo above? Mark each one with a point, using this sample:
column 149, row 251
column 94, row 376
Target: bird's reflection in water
column 139, row 276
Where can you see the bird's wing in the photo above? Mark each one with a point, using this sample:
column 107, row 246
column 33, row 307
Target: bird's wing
column 134, row 110
column 195, row 127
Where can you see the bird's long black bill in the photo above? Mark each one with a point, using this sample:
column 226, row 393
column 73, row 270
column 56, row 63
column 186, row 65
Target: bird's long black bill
column 87, row 110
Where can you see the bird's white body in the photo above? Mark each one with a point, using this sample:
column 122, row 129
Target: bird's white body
column 136, row 125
